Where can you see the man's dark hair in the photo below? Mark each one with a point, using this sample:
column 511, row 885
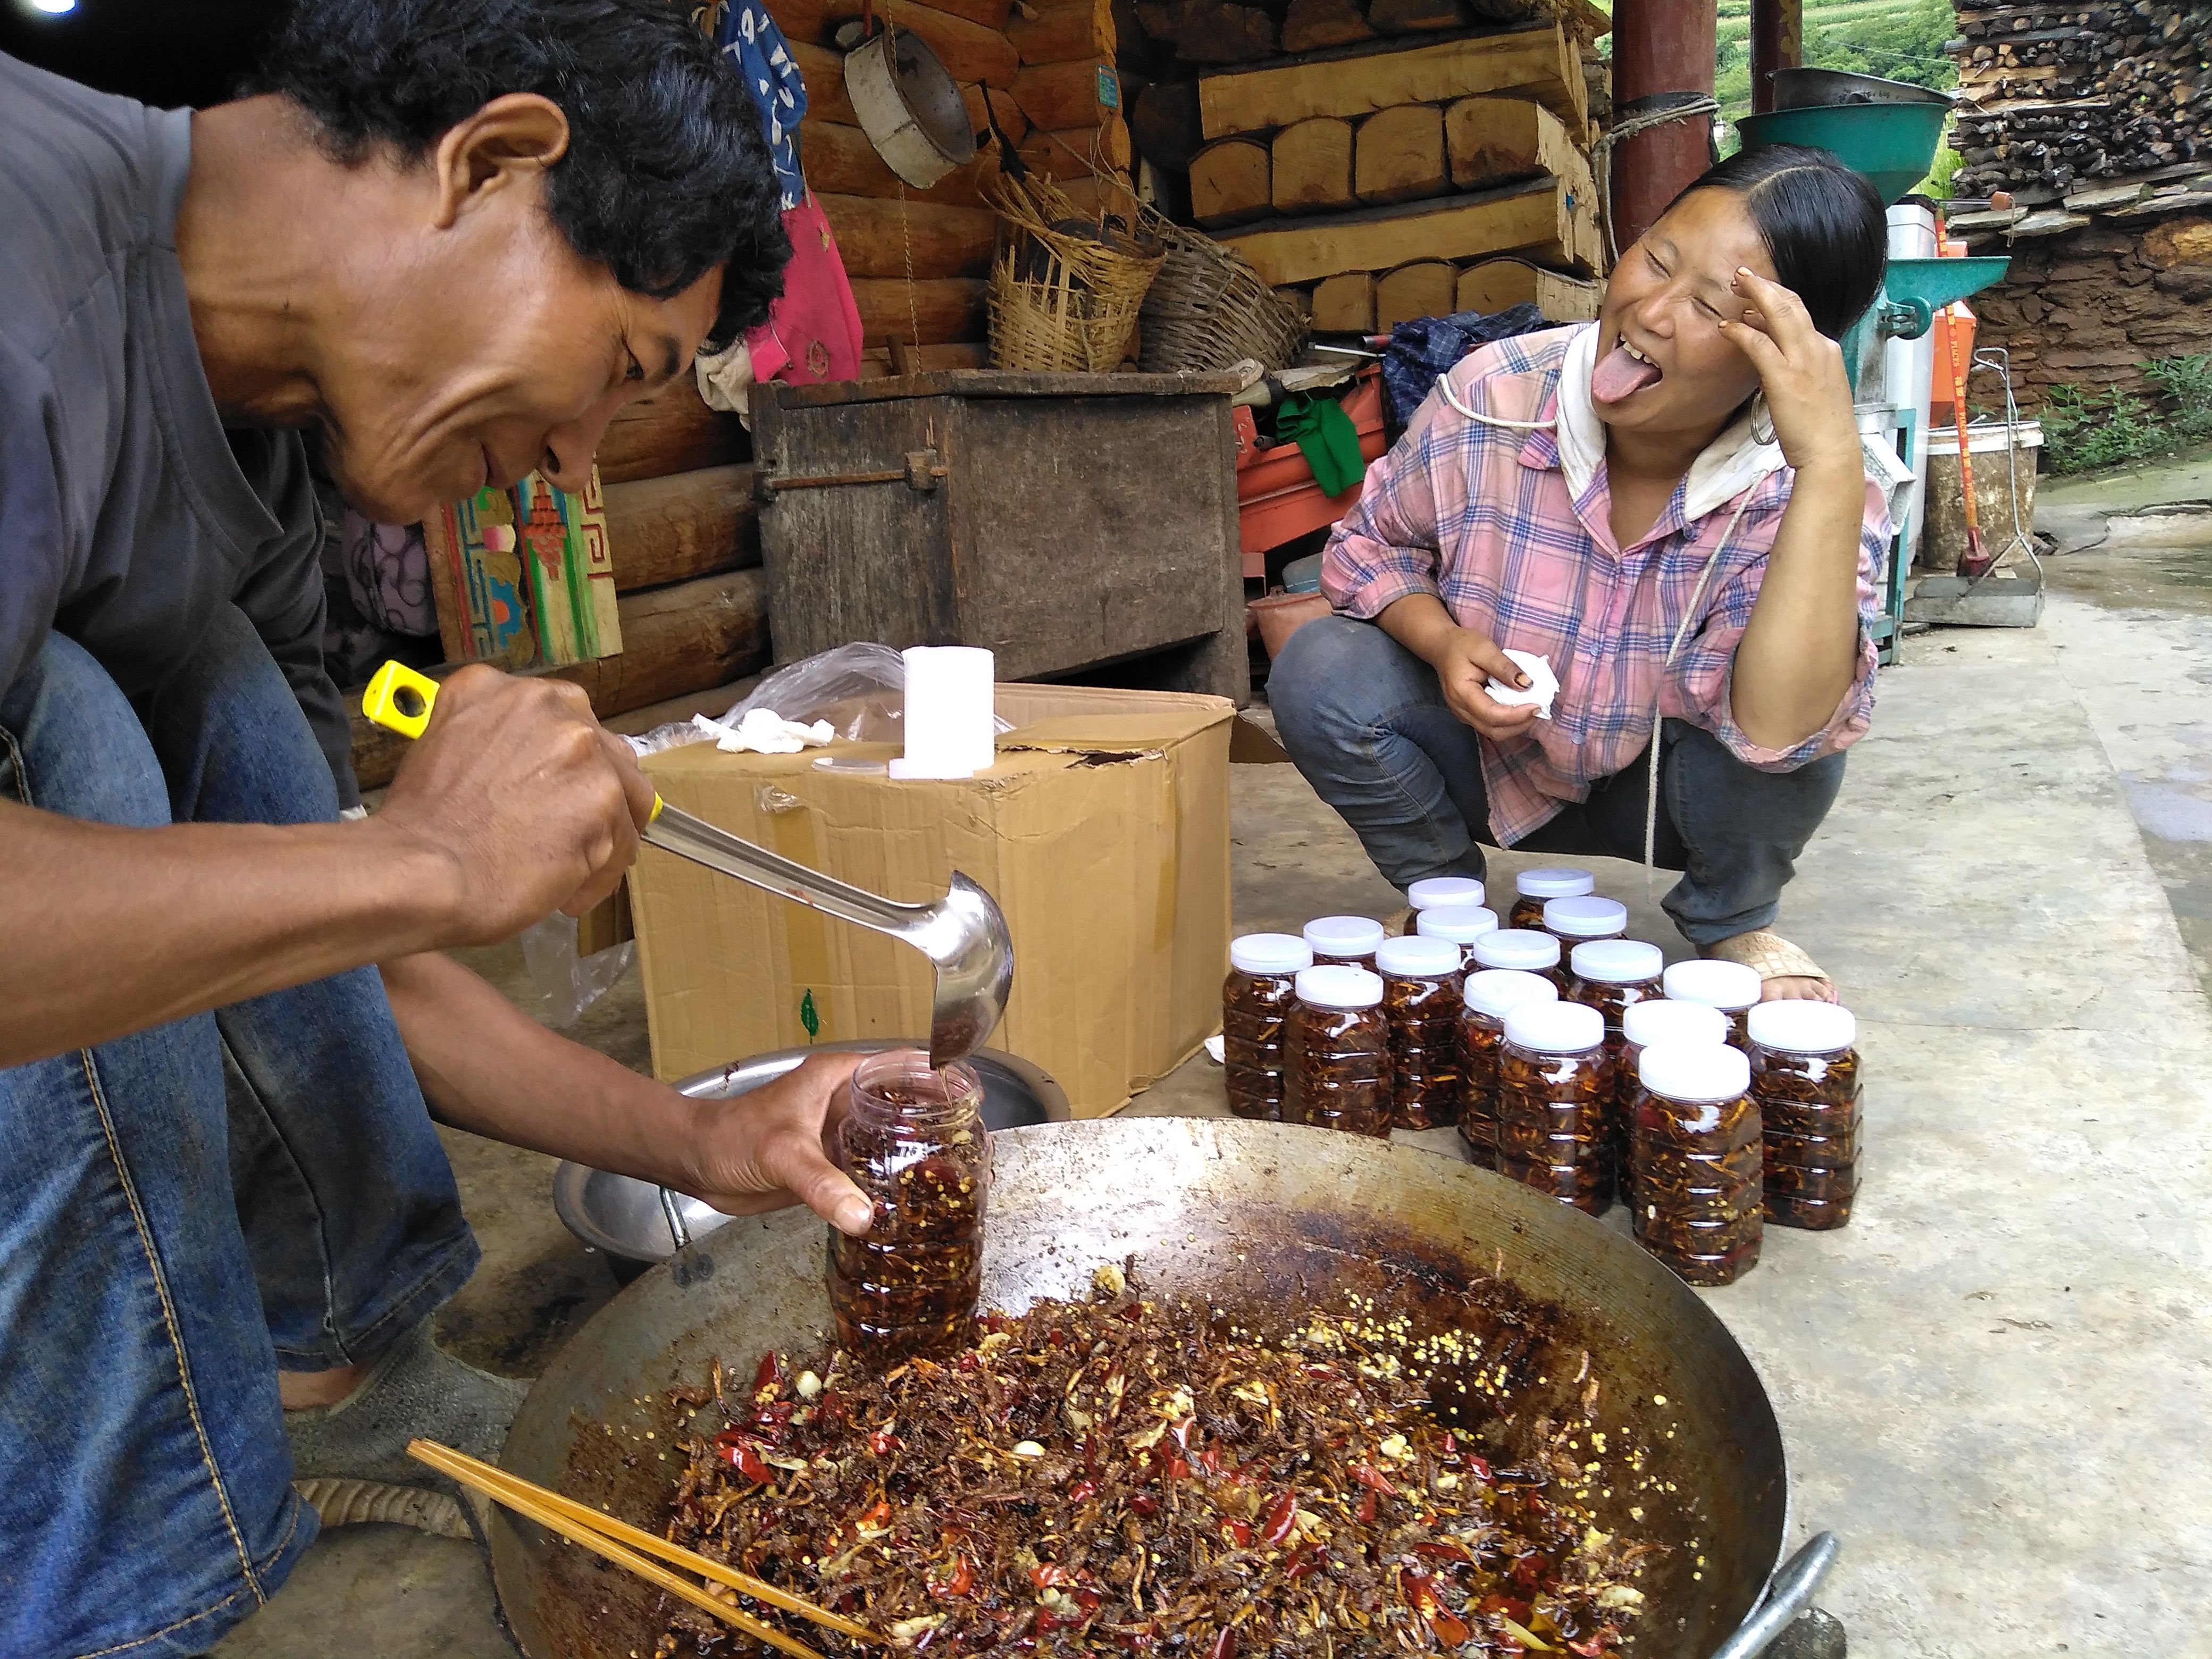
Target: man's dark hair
column 1823, row 224
column 666, row 174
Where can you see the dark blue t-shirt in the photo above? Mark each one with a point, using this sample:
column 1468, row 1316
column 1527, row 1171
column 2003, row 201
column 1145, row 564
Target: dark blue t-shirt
column 129, row 515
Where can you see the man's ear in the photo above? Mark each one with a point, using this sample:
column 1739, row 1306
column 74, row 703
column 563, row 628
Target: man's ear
column 510, row 141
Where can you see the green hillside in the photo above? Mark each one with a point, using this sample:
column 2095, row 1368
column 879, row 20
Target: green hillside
column 1901, row 38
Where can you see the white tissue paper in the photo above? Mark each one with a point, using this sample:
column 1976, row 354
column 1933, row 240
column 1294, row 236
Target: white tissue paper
column 1543, row 684
column 764, row 731
column 950, row 732
column 1217, row 1049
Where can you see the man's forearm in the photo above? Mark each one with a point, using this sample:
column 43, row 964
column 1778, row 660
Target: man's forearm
column 1419, row 623
column 489, row 1068
column 105, row 931
column 1800, row 650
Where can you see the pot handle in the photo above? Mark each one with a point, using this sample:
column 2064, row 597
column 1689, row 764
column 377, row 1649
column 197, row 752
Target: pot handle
column 1787, row 1593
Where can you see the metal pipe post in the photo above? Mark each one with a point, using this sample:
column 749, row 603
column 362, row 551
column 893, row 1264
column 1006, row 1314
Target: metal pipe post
column 1662, row 53
column 1777, row 41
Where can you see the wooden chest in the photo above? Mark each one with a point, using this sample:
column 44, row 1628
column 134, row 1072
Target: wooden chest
column 1071, row 523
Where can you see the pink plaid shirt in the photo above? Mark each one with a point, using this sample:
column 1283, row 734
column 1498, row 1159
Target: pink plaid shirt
column 1483, row 517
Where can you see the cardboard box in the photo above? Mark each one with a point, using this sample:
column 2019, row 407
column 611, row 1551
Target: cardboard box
column 1102, row 831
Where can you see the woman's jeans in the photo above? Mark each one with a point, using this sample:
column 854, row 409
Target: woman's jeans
column 1367, row 723
column 185, row 1209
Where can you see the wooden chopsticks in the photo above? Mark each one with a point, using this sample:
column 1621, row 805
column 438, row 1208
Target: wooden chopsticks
column 628, row 1546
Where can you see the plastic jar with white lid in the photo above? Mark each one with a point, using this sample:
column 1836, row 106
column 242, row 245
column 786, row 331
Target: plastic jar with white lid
column 1533, row 889
column 1337, row 1052
column 1612, row 976
column 1462, row 924
column 1579, row 921
column 1646, row 1024
column 1344, row 941
column 1695, row 1160
column 1554, row 1104
column 1489, row 993
column 1263, row 970
column 1729, row 987
column 1421, row 1002
column 1433, row 892
column 1805, row 1075
column 1519, row 947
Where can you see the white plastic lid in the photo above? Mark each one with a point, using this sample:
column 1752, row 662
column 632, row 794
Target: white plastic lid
column 1338, row 985
column 1729, row 984
column 1462, row 924
column 1343, row 936
column 1554, row 1027
column 1518, row 947
column 1803, row 1028
column 1586, row 917
column 1556, row 882
column 1417, row 956
column 1443, row 890
column 1617, row 961
column 1655, row 1020
column 1270, row 953
column 1498, row 991
column 1695, row 1070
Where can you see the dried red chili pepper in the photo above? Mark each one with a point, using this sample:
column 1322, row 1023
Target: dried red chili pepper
column 1083, row 1491
column 1050, row 1573
column 1282, row 1515
column 1210, row 1460
column 957, row 1580
column 1224, row 1645
column 883, row 1442
column 1238, row 1532
column 1450, row 1629
column 1374, row 1480
column 1449, row 1550
column 743, row 1457
column 1366, row 1513
column 1141, row 1504
column 1304, row 1565
column 768, row 1377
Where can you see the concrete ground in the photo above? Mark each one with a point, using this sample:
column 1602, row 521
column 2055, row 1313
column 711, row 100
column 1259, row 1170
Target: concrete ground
column 1993, row 1384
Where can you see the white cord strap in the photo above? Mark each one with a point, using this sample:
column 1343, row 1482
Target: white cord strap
column 1681, row 632
column 1443, row 385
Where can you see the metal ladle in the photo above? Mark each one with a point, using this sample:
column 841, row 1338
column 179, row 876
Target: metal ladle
column 963, row 933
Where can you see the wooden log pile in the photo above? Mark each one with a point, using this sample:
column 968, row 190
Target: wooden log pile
column 2058, row 94
column 1368, row 182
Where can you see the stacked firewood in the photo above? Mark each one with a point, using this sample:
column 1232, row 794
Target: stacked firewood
column 2057, row 95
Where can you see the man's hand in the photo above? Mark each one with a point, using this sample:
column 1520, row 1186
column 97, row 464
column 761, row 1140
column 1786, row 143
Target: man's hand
column 770, row 1148
column 1466, row 662
column 534, row 805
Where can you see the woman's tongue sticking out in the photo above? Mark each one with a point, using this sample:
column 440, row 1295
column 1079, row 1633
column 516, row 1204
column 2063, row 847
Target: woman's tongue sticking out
column 1619, row 374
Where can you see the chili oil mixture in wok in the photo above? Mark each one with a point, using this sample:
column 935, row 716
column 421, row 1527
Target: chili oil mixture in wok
column 1131, row 1474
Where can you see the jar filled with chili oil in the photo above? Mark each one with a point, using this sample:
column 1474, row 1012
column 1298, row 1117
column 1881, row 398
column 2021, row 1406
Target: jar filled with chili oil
column 1490, row 993
column 1697, row 1154
column 1533, row 888
column 1805, row 1077
column 1462, row 924
column 1421, row 1002
column 1344, row 941
column 1578, row 920
column 1524, row 948
column 1554, row 1104
column 1645, row 1025
column 1729, row 987
column 1263, row 970
column 1337, row 1052
column 1612, row 976
column 1435, row 892
column 914, row 1141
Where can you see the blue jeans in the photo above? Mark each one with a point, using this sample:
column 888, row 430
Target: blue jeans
column 185, row 1209
column 1367, row 723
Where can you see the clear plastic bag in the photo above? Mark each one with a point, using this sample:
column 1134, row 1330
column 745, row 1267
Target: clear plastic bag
column 860, row 689
column 568, row 983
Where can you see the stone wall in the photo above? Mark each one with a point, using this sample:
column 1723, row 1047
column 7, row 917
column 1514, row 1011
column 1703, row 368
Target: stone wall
column 2089, row 307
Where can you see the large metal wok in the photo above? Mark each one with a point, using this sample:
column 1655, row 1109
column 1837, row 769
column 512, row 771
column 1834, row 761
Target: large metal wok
column 1269, row 1222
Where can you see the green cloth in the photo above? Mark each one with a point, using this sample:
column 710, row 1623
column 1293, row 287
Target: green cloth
column 1326, row 436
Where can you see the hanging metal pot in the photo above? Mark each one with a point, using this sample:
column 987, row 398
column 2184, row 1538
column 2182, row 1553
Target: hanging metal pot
column 909, row 106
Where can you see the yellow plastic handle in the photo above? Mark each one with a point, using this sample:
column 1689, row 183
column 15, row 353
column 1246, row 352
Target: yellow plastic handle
column 399, row 699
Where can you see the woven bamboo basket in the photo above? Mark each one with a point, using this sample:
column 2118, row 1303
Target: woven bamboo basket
column 1065, row 291
column 1208, row 309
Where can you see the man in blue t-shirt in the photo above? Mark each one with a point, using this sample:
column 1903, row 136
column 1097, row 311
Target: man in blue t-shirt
column 452, row 237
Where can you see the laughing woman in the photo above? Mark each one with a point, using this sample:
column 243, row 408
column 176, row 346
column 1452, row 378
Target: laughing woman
column 1670, row 505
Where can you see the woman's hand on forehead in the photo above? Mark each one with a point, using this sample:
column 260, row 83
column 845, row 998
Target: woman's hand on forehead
column 1808, row 395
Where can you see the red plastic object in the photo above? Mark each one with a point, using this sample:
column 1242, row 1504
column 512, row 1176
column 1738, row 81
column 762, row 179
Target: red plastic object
column 1955, row 321
column 1277, row 499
